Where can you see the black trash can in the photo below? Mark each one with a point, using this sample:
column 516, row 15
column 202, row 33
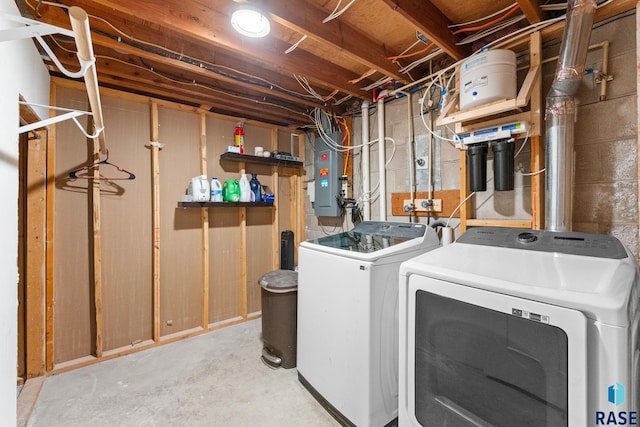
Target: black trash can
column 279, row 318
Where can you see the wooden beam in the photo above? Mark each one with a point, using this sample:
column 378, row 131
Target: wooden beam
column 199, row 21
column 531, row 9
column 155, row 212
column 147, row 82
column 430, row 21
column 307, row 18
column 35, row 283
column 121, row 49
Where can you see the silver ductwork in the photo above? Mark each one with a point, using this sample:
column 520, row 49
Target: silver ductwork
column 560, row 114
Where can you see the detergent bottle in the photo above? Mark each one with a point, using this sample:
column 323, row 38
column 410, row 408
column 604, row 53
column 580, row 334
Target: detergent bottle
column 245, row 188
column 256, row 187
column 231, row 191
column 216, row 190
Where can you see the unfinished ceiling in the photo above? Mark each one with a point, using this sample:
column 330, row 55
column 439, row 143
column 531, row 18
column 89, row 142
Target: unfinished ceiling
column 187, row 51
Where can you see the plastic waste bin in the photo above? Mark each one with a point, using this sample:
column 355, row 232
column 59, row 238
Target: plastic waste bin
column 279, row 318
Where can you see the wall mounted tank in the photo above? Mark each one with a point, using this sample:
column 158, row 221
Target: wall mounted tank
column 486, row 77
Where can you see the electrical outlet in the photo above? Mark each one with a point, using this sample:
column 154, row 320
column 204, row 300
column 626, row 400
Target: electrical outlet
column 422, row 205
column 422, row 162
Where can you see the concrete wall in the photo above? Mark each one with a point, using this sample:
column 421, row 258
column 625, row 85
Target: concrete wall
column 606, row 177
column 22, row 73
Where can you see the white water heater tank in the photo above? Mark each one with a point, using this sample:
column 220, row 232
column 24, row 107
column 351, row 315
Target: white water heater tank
column 486, row 77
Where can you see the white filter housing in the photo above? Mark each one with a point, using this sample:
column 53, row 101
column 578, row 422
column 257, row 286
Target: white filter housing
column 487, row 77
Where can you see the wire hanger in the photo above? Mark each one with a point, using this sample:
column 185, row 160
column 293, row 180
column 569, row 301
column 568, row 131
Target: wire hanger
column 74, row 173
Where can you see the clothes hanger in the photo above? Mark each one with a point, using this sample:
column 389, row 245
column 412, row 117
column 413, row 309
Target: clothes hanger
column 74, row 173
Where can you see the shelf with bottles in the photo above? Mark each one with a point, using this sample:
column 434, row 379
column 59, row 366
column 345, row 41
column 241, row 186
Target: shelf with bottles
column 225, row 204
column 248, row 158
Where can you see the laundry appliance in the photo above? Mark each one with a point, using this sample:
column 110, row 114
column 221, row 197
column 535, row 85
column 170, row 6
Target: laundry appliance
column 512, row 327
column 347, row 317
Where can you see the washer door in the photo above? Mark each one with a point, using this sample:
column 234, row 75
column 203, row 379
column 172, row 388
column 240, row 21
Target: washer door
column 477, row 357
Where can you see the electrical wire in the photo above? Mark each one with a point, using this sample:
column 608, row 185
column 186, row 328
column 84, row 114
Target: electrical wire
column 366, row 74
column 464, row 24
column 488, row 24
column 482, row 34
column 335, row 14
column 426, row 48
column 184, row 58
column 296, row 44
column 459, row 206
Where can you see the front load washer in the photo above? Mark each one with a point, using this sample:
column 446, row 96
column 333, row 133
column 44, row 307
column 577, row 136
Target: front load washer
column 348, row 317
column 514, row 327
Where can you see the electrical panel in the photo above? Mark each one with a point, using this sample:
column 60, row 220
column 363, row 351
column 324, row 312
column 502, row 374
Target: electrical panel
column 328, row 165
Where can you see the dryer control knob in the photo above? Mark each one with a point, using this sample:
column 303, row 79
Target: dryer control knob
column 527, row 237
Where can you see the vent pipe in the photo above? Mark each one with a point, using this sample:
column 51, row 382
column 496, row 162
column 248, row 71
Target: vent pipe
column 560, row 114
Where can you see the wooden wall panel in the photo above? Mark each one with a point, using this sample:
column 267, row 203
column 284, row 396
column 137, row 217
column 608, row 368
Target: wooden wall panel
column 259, row 253
column 225, row 297
column 126, row 227
column 74, row 330
column 285, row 196
column 181, row 229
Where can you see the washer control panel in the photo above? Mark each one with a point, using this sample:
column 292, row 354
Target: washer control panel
column 574, row 243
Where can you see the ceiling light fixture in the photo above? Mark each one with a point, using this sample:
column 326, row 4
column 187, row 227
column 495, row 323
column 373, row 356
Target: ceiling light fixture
column 250, row 22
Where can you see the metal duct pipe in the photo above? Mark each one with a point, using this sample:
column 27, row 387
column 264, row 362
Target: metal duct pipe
column 366, row 187
column 382, row 159
column 561, row 112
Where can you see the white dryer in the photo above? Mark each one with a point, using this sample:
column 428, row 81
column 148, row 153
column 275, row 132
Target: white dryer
column 513, row 327
column 348, row 317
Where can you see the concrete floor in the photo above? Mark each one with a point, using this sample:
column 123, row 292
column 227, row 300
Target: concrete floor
column 215, row 379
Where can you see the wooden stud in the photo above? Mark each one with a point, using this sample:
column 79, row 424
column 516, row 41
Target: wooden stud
column 97, row 250
column 537, row 160
column 466, row 207
column 276, row 205
column 243, row 259
column 35, row 289
column 155, row 180
column 51, row 178
column 205, row 225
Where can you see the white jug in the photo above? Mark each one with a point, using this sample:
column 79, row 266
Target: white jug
column 199, row 189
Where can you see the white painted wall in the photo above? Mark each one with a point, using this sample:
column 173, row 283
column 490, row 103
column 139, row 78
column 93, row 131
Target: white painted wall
column 21, row 72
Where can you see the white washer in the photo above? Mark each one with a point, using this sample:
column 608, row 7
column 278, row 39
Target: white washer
column 512, row 327
column 348, row 317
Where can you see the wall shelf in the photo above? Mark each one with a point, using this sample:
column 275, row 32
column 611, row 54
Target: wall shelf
column 225, row 204
column 247, row 158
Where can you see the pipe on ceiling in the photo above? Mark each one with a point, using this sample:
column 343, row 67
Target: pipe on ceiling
column 366, row 186
column 560, row 114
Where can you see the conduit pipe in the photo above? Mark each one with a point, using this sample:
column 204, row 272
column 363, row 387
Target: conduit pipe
column 561, row 112
column 82, row 32
column 382, row 157
column 412, row 153
column 366, row 183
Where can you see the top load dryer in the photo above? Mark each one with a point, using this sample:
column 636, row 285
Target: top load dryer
column 348, row 317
